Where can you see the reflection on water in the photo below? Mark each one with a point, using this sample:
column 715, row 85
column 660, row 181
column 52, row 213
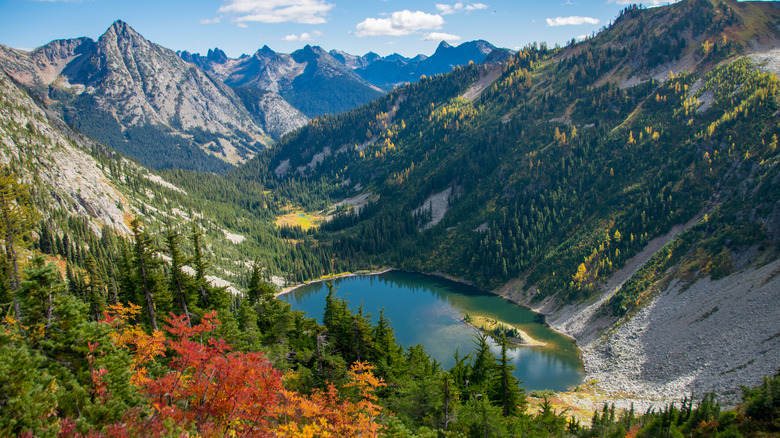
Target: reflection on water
column 429, row 310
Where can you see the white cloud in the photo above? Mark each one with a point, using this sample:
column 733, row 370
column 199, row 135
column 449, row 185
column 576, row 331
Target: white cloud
column 210, row 20
column 571, row 21
column 242, row 25
column 277, row 11
column 399, row 23
column 303, row 37
column 447, row 9
column 440, row 36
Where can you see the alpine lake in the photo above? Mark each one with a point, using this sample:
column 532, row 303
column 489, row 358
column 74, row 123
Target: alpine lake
column 434, row 311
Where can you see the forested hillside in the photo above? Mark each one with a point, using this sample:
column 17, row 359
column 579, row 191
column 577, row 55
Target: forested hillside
column 558, row 171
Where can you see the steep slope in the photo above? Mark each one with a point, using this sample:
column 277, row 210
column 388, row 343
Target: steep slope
column 310, row 79
column 141, row 99
column 573, row 165
column 87, row 194
column 326, row 86
column 272, row 112
column 66, row 177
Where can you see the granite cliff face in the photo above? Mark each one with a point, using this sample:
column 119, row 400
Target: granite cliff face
column 141, row 99
column 54, row 161
column 273, row 113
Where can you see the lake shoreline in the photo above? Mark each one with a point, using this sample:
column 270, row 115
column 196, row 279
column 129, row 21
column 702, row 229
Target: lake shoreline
column 525, row 340
column 445, row 276
column 551, row 339
column 289, row 289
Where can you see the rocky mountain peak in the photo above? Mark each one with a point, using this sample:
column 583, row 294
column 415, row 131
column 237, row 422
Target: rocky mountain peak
column 266, row 53
column 61, row 49
column 442, row 46
column 122, row 30
column 483, row 46
column 307, row 53
column 395, row 57
column 217, row 56
column 371, row 56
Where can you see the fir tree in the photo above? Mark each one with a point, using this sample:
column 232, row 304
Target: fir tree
column 511, row 395
column 179, row 280
column 17, row 217
column 147, row 279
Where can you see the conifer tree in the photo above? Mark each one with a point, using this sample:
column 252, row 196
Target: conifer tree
column 96, row 290
column 201, row 284
column 179, row 280
column 387, row 354
column 17, row 217
column 258, row 289
column 484, row 363
column 511, row 395
column 147, row 279
column 6, row 294
column 37, row 293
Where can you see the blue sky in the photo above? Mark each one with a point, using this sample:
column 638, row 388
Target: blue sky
column 407, row 27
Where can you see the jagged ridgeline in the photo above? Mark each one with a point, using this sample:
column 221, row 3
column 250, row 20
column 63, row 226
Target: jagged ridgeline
column 142, row 100
column 561, row 164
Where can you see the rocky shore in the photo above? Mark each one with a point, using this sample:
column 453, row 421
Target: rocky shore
column 692, row 338
column 709, row 336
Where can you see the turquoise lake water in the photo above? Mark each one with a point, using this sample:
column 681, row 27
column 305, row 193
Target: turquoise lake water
column 429, row 310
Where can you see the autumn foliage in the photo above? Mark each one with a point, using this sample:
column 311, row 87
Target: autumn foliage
column 206, row 389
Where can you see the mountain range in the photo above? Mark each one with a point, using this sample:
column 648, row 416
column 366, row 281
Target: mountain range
column 309, row 78
column 183, row 110
column 394, row 70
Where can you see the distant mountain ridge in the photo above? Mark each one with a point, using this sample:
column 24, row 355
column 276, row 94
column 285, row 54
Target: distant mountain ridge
column 177, row 109
column 310, row 79
column 393, row 70
column 143, row 100
column 318, row 82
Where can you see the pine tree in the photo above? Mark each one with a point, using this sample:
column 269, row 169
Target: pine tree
column 511, row 395
column 201, row 284
column 17, row 217
column 96, row 290
column 259, row 289
column 179, row 280
column 36, row 294
column 45, row 242
column 484, row 364
column 147, row 280
column 6, row 294
column 386, row 352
